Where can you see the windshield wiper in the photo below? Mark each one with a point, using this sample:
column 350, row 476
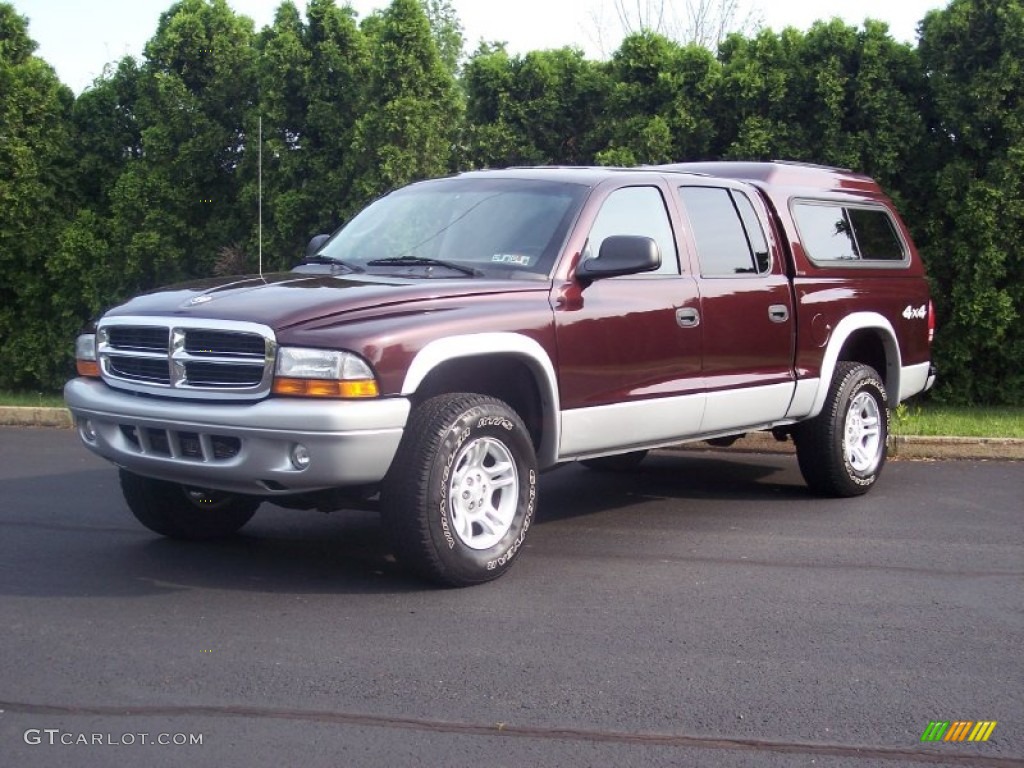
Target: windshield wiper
column 420, row 261
column 320, row 259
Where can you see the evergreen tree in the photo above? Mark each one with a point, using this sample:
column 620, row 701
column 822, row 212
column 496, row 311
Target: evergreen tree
column 36, row 200
column 972, row 52
column 408, row 130
column 835, row 95
column 660, row 106
column 540, row 108
column 447, row 32
column 312, row 83
column 178, row 204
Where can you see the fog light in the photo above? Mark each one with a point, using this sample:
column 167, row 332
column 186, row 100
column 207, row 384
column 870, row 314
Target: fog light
column 87, row 431
column 300, row 456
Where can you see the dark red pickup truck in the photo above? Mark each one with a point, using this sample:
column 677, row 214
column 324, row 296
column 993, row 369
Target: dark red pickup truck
column 462, row 334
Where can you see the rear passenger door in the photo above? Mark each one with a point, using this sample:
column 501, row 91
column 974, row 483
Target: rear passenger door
column 746, row 308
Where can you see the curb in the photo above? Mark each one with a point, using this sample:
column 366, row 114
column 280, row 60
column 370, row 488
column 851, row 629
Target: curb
column 900, row 446
column 920, row 447
column 12, row 416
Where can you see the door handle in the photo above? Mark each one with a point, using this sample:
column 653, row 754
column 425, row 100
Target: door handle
column 778, row 313
column 688, row 317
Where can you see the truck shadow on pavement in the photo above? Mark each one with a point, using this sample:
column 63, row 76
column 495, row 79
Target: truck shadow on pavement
column 672, row 476
column 58, row 542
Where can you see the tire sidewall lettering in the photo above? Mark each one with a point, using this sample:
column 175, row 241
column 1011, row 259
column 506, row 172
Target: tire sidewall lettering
column 527, row 521
column 495, row 421
column 461, row 435
column 479, row 422
column 876, row 389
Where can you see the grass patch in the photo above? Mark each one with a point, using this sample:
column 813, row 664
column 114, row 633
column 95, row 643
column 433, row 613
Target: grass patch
column 31, row 399
column 958, row 421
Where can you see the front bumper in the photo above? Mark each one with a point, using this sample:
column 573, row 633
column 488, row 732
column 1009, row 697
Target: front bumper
column 243, row 447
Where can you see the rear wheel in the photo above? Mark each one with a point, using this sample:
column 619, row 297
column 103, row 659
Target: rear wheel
column 461, row 493
column 842, row 450
column 184, row 512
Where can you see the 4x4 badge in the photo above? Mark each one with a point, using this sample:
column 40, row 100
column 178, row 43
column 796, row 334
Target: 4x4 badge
column 916, row 313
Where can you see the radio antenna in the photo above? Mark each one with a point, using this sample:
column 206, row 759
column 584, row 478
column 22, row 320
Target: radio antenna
column 259, row 194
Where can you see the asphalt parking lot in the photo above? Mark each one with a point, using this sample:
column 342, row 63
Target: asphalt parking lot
column 703, row 610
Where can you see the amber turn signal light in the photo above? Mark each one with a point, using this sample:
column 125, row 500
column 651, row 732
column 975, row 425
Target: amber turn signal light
column 88, row 368
column 325, row 388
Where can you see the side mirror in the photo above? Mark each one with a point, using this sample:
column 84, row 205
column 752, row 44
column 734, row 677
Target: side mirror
column 622, row 255
column 316, row 244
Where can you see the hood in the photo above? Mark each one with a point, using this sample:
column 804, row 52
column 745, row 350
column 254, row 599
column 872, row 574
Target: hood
column 287, row 299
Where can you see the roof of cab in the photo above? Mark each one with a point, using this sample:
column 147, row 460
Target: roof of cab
column 777, row 174
column 589, row 175
column 784, row 173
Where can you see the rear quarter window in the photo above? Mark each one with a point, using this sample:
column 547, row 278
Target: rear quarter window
column 849, row 235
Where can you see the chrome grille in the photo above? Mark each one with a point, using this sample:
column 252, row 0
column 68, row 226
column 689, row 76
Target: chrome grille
column 220, row 375
column 184, row 357
column 140, row 369
column 199, row 341
column 139, row 339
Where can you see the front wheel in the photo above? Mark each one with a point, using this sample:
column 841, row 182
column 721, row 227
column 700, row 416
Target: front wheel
column 841, row 451
column 462, row 489
column 182, row 512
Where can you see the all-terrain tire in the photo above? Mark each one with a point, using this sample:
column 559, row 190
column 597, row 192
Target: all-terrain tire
column 842, row 450
column 461, row 493
column 182, row 512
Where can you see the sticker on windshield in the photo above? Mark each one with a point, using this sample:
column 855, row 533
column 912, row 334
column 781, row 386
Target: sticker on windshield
column 511, row 258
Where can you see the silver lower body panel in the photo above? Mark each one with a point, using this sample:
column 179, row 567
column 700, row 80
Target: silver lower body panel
column 245, row 447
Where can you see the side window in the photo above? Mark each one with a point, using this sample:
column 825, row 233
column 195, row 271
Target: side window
column 825, row 231
column 729, row 237
column 833, row 232
column 876, row 235
column 636, row 211
column 755, row 234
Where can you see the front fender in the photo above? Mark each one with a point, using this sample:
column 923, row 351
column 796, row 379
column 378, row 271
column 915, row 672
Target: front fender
column 483, row 344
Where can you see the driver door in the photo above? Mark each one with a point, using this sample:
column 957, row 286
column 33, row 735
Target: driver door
column 629, row 347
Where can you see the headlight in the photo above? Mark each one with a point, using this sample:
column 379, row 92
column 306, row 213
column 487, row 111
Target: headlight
column 85, row 355
column 305, row 372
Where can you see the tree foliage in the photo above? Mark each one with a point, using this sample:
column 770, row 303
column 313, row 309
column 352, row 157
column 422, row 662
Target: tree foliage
column 311, row 94
column 835, row 95
column 659, row 105
column 534, row 109
column 408, row 130
column 36, row 201
column 152, row 175
column 973, row 52
column 179, row 202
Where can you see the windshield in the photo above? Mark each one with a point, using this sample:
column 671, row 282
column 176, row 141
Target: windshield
column 491, row 226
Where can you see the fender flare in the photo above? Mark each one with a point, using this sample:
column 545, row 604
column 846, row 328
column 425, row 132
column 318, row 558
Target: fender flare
column 859, row 321
column 523, row 347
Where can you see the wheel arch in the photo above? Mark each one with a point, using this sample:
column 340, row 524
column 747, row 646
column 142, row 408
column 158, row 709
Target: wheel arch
column 862, row 337
column 510, row 366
